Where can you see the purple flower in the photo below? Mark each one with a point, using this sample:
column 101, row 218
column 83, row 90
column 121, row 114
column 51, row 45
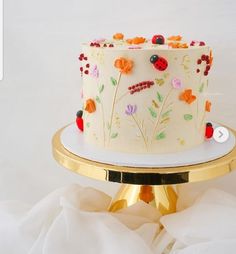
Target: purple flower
column 176, row 83
column 94, row 71
column 131, row 109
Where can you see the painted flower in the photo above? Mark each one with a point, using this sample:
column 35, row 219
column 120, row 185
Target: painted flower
column 177, row 45
column 136, row 40
column 176, row 83
column 208, row 106
column 187, row 96
column 131, row 109
column 175, row 38
column 94, row 71
column 118, row 36
column 124, row 65
column 90, row 106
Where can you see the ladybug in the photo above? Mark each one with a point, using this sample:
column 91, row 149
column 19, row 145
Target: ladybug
column 159, row 62
column 79, row 120
column 158, row 39
column 209, row 131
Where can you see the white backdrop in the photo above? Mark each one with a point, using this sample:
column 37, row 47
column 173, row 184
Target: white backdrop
column 40, row 90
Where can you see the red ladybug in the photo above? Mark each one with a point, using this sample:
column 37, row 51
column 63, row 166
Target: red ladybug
column 159, row 62
column 79, row 120
column 209, row 131
column 158, row 39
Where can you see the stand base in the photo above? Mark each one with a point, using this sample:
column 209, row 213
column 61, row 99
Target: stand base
column 162, row 197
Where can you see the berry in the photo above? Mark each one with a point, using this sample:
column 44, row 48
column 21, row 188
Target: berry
column 129, row 87
column 202, row 43
column 192, row 43
column 208, row 67
column 86, row 72
column 87, row 65
column 79, row 113
column 153, row 58
column 85, row 58
column 161, row 64
column 199, row 61
column 80, row 123
column 111, row 45
column 105, row 45
column 91, row 44
column 205, row 73
column 203, row 57
column 81, row 69
column 198, row 70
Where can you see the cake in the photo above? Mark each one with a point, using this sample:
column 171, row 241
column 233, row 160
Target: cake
column 144, row 95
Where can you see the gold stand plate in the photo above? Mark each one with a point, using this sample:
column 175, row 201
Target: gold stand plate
column 151, row 185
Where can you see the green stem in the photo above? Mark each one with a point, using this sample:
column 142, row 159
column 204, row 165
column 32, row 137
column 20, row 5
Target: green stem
column 144, row 140
column 160, row 113
column 113, row 107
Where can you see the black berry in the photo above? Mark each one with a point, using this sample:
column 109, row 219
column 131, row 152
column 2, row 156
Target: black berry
column 153, row 58
column 79, row 114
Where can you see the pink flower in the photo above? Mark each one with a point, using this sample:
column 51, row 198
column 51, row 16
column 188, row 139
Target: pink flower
column 99, row 40
column 176, row 83
column 94, row 71
column 131, row 109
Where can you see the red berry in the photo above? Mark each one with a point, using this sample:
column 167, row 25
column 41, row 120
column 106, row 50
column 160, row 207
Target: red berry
column 202, row 43
column 209, row 132
column 87, row 65
column 85, row 58
column 86, row 72
column 80, row 58
column 198, row 70
column 205, row 73
column 207, row 61
column 133, row 87
column 203, row 57
column 111, row 45
column 199, row 61
column 91, row 44
column 192, row 43
column 129, row 87
column 81, row 69
column 208, row 67
column 80, row 123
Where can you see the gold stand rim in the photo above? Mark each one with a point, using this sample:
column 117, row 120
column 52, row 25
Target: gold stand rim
column 142, row 175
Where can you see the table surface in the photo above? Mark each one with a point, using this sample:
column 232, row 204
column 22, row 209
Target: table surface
column 142, row 175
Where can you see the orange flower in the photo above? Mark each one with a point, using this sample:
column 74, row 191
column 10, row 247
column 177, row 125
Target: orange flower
column 178, row 45
column 118, row 36
column 124, row 65
column 187, row 96
column 146, row 194
column 90, row 106
column 175, row 38
column 208, row 106
column 210, row 58
column 136, row 40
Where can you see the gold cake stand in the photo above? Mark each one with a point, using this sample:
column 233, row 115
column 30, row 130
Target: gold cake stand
column 152, row 185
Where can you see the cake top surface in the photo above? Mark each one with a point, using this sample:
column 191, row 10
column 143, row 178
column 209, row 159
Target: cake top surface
column 118, row 41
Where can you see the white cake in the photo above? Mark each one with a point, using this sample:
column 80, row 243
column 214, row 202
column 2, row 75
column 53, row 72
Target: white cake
column 145, row 96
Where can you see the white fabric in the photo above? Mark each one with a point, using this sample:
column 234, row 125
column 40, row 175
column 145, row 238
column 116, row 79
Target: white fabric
column 75, row 220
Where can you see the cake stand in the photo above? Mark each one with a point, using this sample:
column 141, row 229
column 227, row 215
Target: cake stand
column 153, row 185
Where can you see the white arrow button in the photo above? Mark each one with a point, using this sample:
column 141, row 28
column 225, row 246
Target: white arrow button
column 221, row 134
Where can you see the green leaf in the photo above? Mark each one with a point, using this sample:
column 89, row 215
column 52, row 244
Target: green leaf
column 200, row 90
column 87, row 125
column 101, row 88
column 108, row 126
column 113, row 81
column 152, row 112
column 166, row 114
column 161, row 135
column 188, row 117
column 98, row 99
column 159, row 97
column 114, row 135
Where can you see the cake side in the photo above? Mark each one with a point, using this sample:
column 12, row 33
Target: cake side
column 145, row 98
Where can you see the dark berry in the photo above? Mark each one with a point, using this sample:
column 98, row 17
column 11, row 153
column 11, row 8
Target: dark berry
column 153, row 58
column 81, row 69
column 202, row 43
column 86, row 72
column 199, row 61
column 192, row 43
column 91, row 44
column 79, row 113
column 205, row 73
column 85, row 58
column 203, row 57
column 105, row 45
column 208, row 67
column 198, row 70
column 111, row 45
column 87, row 65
